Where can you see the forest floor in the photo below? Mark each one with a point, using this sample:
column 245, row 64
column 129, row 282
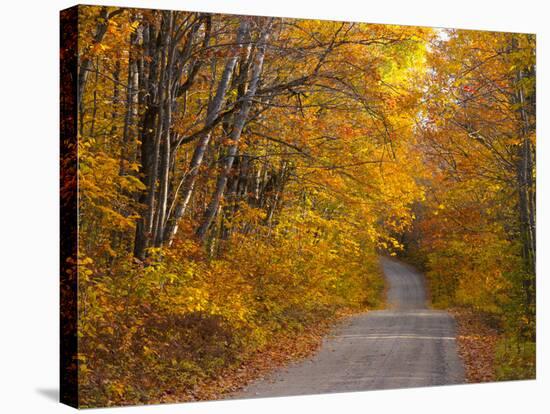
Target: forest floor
column 283, row 350
column 477, row 341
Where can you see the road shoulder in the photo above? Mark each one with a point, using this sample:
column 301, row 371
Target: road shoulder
column 476, row 341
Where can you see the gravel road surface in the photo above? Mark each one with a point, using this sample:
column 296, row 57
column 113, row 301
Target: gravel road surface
column 406, row 345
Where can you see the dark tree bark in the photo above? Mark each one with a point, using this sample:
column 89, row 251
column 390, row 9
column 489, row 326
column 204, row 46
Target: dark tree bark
column 526, row 195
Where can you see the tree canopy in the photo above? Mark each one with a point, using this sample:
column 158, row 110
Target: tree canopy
column 239, row 175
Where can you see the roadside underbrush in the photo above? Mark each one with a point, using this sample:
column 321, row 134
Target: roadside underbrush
column 188, row 327
column 484, row 291
column 489, row 352
column 515, row 359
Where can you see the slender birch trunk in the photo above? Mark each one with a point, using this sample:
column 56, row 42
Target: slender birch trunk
column 240, row 120
column 198, row 154
column 165, row 164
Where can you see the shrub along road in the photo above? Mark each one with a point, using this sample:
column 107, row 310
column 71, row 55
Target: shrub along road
column 406, row 345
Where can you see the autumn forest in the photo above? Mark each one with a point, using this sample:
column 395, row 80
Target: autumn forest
column 239, row 178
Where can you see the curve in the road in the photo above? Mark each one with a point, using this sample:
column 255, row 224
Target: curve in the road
column 407, row 345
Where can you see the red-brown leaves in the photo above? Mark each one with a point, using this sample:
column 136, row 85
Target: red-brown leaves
column 476, row 341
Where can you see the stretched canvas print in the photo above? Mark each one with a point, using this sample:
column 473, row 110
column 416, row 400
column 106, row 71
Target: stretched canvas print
column 257, row 206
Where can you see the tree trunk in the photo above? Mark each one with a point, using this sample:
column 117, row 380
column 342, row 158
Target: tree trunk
column 165, row 164
column 131, row 105
column 198, row 154
column 240, row 119
column 526, row 193
column 152, row 128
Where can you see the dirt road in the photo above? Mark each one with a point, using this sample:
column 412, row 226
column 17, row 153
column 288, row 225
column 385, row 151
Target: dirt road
column 407, row 345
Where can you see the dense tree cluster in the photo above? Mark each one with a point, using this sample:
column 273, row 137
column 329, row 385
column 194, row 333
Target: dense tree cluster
column 476, row 235
column 238, row 176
